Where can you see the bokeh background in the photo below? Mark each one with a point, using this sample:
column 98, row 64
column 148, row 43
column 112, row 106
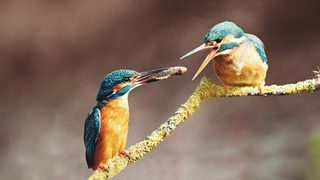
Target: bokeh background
column 53, row 55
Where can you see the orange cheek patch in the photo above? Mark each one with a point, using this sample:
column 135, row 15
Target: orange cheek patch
column 119, row 86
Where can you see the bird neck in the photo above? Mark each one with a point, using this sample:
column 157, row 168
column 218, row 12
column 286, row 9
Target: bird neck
column 123, row 99
column 120, row 102
column 101, row 103
column 116, row 110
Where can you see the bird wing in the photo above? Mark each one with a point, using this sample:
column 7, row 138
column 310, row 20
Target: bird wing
column 91, row 133
column 258, row 44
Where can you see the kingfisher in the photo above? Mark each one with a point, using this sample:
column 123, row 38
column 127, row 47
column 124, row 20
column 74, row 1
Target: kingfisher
column 239, row 58
column 106, row 126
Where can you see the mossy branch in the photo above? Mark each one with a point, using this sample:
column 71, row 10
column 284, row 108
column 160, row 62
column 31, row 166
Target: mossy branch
column 204, row 90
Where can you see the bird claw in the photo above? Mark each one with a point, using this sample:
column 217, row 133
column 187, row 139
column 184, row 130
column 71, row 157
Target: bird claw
column 124, row 152
column 261, row 92
column 260, row 88
column 227, row 88
column 104, row 167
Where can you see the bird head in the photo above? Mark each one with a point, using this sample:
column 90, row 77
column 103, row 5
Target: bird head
column 121, row 82
column 220, row 39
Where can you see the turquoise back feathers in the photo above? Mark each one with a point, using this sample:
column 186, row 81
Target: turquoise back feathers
column 258, row 44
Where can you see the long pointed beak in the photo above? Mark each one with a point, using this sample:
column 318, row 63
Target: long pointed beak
column 158, row 74
column 200, row 48
column 210, row 56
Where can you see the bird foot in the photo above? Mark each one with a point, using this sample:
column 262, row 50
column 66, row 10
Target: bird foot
column 260, row 88
column 261, row 91
column 104, row 167
column 227, row 88
column 124, row 152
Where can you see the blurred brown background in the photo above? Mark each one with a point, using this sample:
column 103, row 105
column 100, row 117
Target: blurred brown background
column 53, row 55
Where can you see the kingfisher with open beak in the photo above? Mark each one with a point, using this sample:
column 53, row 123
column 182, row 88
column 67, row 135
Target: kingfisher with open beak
column 238, row 58
column 106, row 126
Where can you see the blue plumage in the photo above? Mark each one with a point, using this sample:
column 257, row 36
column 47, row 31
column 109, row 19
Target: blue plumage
column 105, row 93
column 112, row 79
column 258, row 44
column 221, row 30
column 91, row 133
column 106, row 126
column 226, row 46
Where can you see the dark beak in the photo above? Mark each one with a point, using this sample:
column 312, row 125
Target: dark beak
column 158, row 74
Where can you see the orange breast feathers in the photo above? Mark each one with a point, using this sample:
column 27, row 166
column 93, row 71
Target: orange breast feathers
column 113, row 132
column 242, row 66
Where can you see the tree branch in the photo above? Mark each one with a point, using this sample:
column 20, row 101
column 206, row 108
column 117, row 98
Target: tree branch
column 204, row 90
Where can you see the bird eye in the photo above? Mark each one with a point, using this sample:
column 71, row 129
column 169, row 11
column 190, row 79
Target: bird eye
column 127, row 79
column 218, row 40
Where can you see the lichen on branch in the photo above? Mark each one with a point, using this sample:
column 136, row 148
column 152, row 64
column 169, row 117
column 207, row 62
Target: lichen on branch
column 204, row 90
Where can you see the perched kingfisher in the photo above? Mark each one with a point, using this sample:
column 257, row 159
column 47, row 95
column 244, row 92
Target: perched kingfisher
column 106, row 126
column 239, row 58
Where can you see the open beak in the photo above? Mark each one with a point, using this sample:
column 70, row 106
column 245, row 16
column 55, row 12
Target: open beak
column 158, row 74
column 210, row 56
column 200, row 48
column 214, row 48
